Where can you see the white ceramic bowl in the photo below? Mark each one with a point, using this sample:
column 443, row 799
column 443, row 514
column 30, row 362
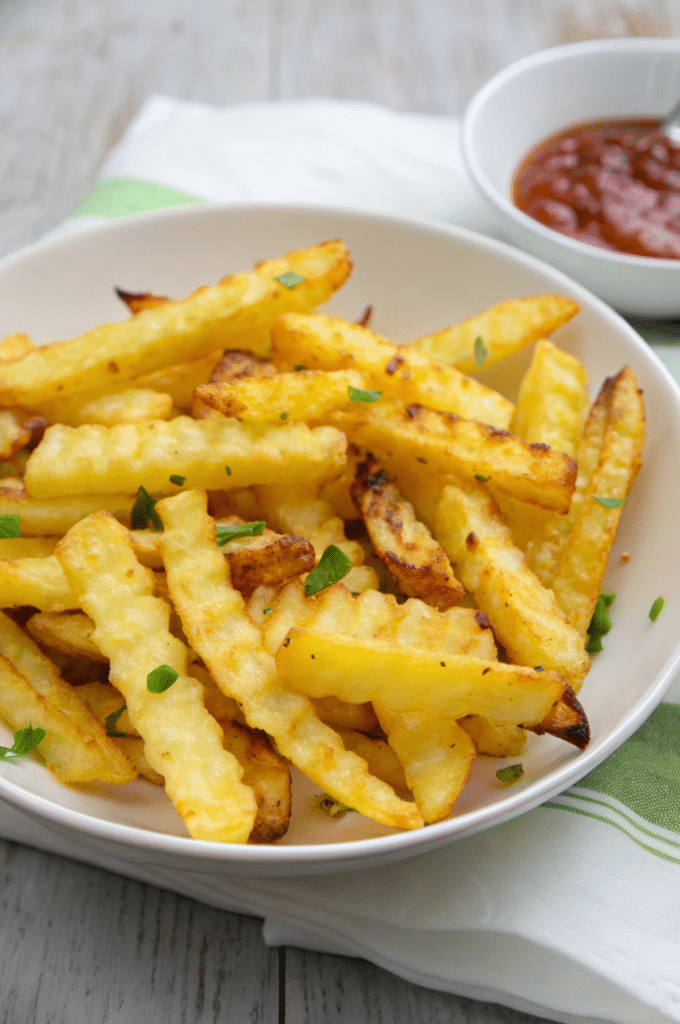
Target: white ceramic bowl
column 545, row 93
column 418, row 277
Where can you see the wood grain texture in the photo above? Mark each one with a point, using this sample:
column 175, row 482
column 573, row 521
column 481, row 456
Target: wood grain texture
column 337, row 990
column 80, row 944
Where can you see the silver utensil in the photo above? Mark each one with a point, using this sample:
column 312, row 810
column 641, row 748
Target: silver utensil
column 670, row 125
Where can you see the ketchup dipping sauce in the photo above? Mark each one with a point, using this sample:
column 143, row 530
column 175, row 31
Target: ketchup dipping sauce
column 612, row 184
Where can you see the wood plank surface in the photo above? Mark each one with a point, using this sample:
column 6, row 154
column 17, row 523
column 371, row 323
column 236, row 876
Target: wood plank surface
column 78, row 943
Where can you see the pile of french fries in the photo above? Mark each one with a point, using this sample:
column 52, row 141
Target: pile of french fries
column 240, row 535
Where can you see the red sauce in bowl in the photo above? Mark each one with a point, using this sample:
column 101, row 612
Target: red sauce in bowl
column 613, row 184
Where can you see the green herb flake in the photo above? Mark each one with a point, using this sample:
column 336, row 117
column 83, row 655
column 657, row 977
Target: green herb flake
column 143, row 511
column 600, row 624
column 227, row 531
column 161, row 679
column 332, row 567
column 482, row 479
column 25, row 740
column 510, row 775
column 609, row 502
column 9, row 527
column 284, row 415
column 179, row 480
column 266, row 611
column 655, row 610
column 329, row 805
column 227, row 470
column 111, row 721
column 359, row 395
column 480, row 353
column 289, row 280
column 300, row 366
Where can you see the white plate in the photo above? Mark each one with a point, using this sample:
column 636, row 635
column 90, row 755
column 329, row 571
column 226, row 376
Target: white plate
column 418, row 277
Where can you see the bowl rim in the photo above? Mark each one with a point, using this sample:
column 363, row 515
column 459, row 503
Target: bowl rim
column 318, row 857
column 477, row 172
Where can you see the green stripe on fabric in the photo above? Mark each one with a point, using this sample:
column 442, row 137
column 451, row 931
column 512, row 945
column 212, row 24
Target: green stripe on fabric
column 644, row 773
column 573, row 795
column 117, row 197
column 614, row 824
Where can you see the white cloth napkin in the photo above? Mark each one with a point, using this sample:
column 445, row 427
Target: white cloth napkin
column 571, row 911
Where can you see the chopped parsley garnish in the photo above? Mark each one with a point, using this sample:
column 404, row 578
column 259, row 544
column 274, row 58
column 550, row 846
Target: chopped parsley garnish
column 111, row 720
column 284, row 415
column 513, row 773
column 359, row 395
column 290, row 279
column 600, row 624
column 329, row 805
column 179, row 480
column 655, row 610
column 300, row 366
column 480, row 352
column 143, row 510
column 227, row 470
column 227, row 531
column 481, row 478
column 161, row 679
column 266, row 611
column 9, row 527
column 609, row 502
column 333, row 565
column 25, row 740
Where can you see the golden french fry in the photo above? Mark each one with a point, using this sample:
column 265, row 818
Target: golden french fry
column 583, row 560
column 450, row 446
column 43, row 517
column 378, row 755
column 410, row 679
column 180, row 381
column 220, row 631
column 14, row 435
column 503, row 329
column 27, row 547
column 496, row 739
column 15, row 346
column 36, row 582
column 547, row 539
column 103, row 359
column 66, row 749
column 232, row 367
column 523, row 614
column 344, row 717
column 551, row 408
column 127, row 406
column 553, row 400
column 329, row 343
column 268, row 776
column 211, row 453
column 67, row 632
column 266, row 559
column 295, row 509
column 307, row 395
column 404, row 545
column 566, row 720
column 436, row 756
column 182, row 741
column 26, row 657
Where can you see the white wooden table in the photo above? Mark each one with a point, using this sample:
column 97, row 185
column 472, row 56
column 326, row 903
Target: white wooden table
column 77, row 943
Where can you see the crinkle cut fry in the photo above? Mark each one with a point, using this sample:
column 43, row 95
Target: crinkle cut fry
column 584, row 558
column 222, row 315
column 218, row 627
column 183, row 742
column 523, row 614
